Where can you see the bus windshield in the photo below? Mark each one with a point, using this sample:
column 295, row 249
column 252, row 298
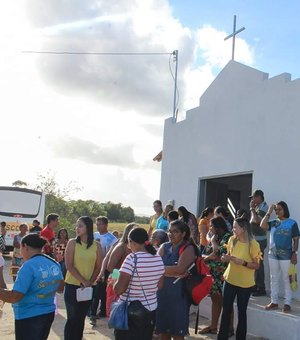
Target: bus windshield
column 19, row 202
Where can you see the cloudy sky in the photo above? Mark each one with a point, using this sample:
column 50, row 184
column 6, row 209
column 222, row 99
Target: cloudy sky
column 98, row 119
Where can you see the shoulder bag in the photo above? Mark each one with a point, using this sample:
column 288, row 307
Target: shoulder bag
column 118, row 318
column 138, row 314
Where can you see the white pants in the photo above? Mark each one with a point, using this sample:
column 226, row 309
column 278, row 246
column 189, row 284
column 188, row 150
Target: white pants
column 280, row 268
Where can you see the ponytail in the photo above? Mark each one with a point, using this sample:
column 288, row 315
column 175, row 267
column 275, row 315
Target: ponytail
column 140, row 236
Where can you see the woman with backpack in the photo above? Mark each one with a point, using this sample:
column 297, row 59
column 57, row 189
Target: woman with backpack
column 173, row 304
column 243, row 255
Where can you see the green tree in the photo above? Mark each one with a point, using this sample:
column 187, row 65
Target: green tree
column 19, row 183
column 58, row 201
column 113, row 211
column 87, row 208
column 48, row 184
column 142, row 219
column 127, row 214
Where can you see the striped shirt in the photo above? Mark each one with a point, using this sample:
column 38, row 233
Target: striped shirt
column 149, row 270
column 2, row 244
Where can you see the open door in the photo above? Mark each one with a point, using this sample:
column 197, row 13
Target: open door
column 216, row 194
column 231, row 192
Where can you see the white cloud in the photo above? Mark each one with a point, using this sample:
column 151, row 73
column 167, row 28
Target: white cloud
column 217, row 52
column 212, row 53
column 76, row 114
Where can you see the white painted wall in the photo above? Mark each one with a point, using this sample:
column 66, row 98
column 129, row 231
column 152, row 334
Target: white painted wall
column 246, row 122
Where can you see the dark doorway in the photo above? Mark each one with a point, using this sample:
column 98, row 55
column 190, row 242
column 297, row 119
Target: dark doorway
column 231, row 192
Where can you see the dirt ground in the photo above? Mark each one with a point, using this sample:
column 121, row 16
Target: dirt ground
column 101, row 331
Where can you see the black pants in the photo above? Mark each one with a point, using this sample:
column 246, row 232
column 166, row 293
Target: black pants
column 99, row 294
column 142, row 331
column 35, row 328
column 229, row 294
column 76, row 313
column 260, row 272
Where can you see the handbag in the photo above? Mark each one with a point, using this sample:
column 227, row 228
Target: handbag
column 118, row 318
column 138, row 314
column 293, row 277
column 84, row 294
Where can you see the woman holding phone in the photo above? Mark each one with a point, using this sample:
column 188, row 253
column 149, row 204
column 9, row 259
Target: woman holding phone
column 243, row 255
column 284, row 239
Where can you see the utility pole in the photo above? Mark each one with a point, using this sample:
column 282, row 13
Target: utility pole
column 175, row 59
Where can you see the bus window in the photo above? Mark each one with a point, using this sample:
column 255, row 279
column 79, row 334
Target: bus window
column 17, row 206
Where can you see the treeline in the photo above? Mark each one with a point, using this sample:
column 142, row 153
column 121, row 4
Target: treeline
column 70, row 210
column 58, row 201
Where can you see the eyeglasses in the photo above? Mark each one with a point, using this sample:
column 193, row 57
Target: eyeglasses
column 278, row 209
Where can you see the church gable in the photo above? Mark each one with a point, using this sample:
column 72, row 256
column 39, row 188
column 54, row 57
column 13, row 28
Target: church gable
column 233, row 77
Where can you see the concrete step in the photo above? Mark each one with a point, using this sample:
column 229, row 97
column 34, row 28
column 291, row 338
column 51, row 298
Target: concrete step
column 271, row 325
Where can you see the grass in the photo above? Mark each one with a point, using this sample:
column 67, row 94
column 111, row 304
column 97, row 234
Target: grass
column 112, row 226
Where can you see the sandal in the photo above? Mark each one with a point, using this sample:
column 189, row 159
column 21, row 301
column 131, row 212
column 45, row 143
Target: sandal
column 209, row 330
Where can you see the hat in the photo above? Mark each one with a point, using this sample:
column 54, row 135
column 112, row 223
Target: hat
column 257, row 193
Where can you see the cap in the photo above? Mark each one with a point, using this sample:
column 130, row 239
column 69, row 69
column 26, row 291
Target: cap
column 36, row 221
column 257, row 193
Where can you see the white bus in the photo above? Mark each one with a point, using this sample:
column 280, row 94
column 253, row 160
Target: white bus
column 17, row 206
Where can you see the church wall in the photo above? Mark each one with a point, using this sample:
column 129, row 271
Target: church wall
column 245, row 123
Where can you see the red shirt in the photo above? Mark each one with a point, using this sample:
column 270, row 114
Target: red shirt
column 49, row 235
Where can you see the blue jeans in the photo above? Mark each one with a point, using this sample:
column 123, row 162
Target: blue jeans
column 229, row 294
column 99, row 294
column 63, row 268
column 34, row 328
column 76, row 313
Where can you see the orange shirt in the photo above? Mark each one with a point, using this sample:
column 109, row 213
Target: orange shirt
column 203, row 240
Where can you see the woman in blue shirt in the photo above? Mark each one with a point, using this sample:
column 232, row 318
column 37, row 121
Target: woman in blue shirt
column 33, row 292
column 283, row 250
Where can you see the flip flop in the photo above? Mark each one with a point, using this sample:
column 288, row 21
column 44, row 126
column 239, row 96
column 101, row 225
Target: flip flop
column 209, row 330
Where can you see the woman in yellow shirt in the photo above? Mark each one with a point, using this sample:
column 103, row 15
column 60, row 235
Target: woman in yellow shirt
column 243, row 254
column 83, row 259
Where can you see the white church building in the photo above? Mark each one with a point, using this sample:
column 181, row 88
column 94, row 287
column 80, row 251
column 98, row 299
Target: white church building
column 244, row 135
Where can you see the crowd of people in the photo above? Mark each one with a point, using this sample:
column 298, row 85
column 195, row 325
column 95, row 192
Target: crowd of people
column 147, row 268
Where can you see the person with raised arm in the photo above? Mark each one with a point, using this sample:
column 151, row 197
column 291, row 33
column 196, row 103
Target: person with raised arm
column 283, row 250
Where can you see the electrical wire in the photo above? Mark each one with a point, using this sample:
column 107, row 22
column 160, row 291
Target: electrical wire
column 116, row 54
column 97, row 53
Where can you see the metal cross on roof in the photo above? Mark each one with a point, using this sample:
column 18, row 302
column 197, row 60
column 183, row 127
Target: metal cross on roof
column 232, row 35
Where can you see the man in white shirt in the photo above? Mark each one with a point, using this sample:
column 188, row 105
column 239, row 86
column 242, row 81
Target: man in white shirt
column 106, row 240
